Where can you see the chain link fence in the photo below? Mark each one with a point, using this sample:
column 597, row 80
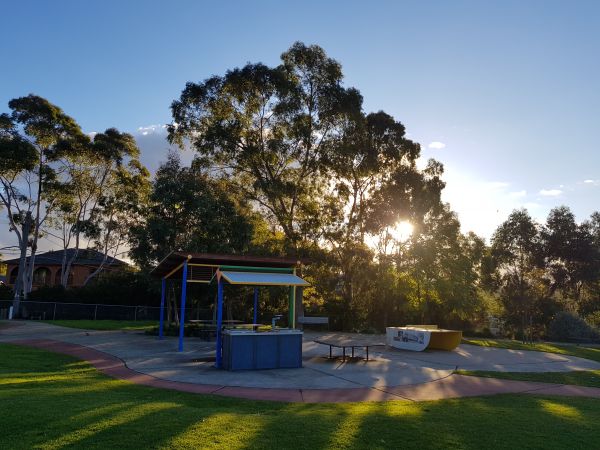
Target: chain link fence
column 86, row 311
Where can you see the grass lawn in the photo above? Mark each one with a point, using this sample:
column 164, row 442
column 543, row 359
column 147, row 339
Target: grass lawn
column 105, row 325
column 579, row 378
column 52, row 401
column 592, row 353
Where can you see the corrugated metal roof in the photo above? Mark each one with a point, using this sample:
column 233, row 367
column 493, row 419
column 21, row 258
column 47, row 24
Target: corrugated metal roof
column 263, row 278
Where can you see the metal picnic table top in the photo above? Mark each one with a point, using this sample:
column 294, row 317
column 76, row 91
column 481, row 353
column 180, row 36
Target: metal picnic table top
column 344, row 342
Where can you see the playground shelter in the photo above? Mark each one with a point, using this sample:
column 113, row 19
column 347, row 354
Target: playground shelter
column 211, row 268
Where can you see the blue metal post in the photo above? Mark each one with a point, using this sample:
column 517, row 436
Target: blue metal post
column 255, row 305
column 219, row 349
column 182, row 315
column 162, row 308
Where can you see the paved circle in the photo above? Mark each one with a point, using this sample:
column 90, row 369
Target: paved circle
column 391, row 375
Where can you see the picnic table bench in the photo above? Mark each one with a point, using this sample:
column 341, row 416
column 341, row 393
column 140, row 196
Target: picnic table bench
column 344, row 343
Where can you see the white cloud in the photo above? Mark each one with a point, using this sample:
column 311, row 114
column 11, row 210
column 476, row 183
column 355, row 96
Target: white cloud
column 151, row 129
column 152, row 141
column 436, row 145
column 551, row 192
column 592, row 182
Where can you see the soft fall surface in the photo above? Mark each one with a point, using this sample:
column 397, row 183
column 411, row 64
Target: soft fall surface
column 49, row 400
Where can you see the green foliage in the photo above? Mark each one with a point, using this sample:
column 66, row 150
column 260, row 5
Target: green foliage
column 572, row 259
column 271, row 131
column 516, row 252
column 329, row 177
column 113, row 288
column 6, row 293
column 568, row 326
column 190, row 211
column 35, row 139
column 593, row 319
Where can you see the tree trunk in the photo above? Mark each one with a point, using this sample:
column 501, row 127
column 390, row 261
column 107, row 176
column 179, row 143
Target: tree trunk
column 20, row 280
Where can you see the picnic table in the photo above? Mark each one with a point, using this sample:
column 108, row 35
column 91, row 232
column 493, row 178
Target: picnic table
column 346, row 342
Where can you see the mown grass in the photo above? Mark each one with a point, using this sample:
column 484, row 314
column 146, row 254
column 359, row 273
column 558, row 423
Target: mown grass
column 105, row 325
column 579, row 378
column 580, row 351
column 52, row 401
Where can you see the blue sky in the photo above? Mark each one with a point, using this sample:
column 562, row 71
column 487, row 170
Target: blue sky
column 506, row 94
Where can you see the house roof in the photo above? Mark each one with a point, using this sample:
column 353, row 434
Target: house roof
column 85, row 257
column 174, row 259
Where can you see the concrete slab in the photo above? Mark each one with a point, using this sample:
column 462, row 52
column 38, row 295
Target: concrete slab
column 391, row 374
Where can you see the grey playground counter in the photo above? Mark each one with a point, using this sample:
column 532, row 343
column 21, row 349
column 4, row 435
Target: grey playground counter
column 255, row 350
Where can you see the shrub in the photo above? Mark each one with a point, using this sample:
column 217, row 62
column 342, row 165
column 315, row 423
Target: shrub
column 118, row 288
column 479, row 333
column 593, row 319
column 6, row 293
column 48, row 293
column 568, row 326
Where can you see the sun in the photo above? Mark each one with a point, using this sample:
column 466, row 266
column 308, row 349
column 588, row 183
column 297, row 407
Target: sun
column 402, row 231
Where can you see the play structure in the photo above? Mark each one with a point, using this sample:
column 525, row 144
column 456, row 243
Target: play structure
column 244, row 346
column 420, row 337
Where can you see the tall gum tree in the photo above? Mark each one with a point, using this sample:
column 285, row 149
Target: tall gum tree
column 296, row 142
column 517, row 252
column 97, row 180
column 269, row 131
column 30, row 139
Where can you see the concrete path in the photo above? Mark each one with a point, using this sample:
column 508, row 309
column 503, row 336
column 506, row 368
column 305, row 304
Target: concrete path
column 391, row 375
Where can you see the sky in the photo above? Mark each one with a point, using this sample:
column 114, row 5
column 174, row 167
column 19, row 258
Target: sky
column 505, row 94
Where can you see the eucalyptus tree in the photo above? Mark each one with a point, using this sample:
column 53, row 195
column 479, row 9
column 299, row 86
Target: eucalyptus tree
column 32, row 137
column 572, row 259
column 375, row 184
column 99, row 182
column 188, row 210
column 270, row 131
column 517, row 253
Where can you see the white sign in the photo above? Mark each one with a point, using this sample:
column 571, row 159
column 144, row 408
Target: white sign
column 415, row 339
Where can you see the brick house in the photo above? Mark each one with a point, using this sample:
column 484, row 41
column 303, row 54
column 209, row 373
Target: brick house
column 48, row 265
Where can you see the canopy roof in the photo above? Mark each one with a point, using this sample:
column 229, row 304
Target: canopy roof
column 170, row 266
column 263, row 279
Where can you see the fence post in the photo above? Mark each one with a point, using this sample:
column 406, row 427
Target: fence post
column 95, row 312
column 54, row 313
column 135, row 314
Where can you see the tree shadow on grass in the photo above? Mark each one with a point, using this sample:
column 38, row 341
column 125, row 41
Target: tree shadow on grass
column 73, row 408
